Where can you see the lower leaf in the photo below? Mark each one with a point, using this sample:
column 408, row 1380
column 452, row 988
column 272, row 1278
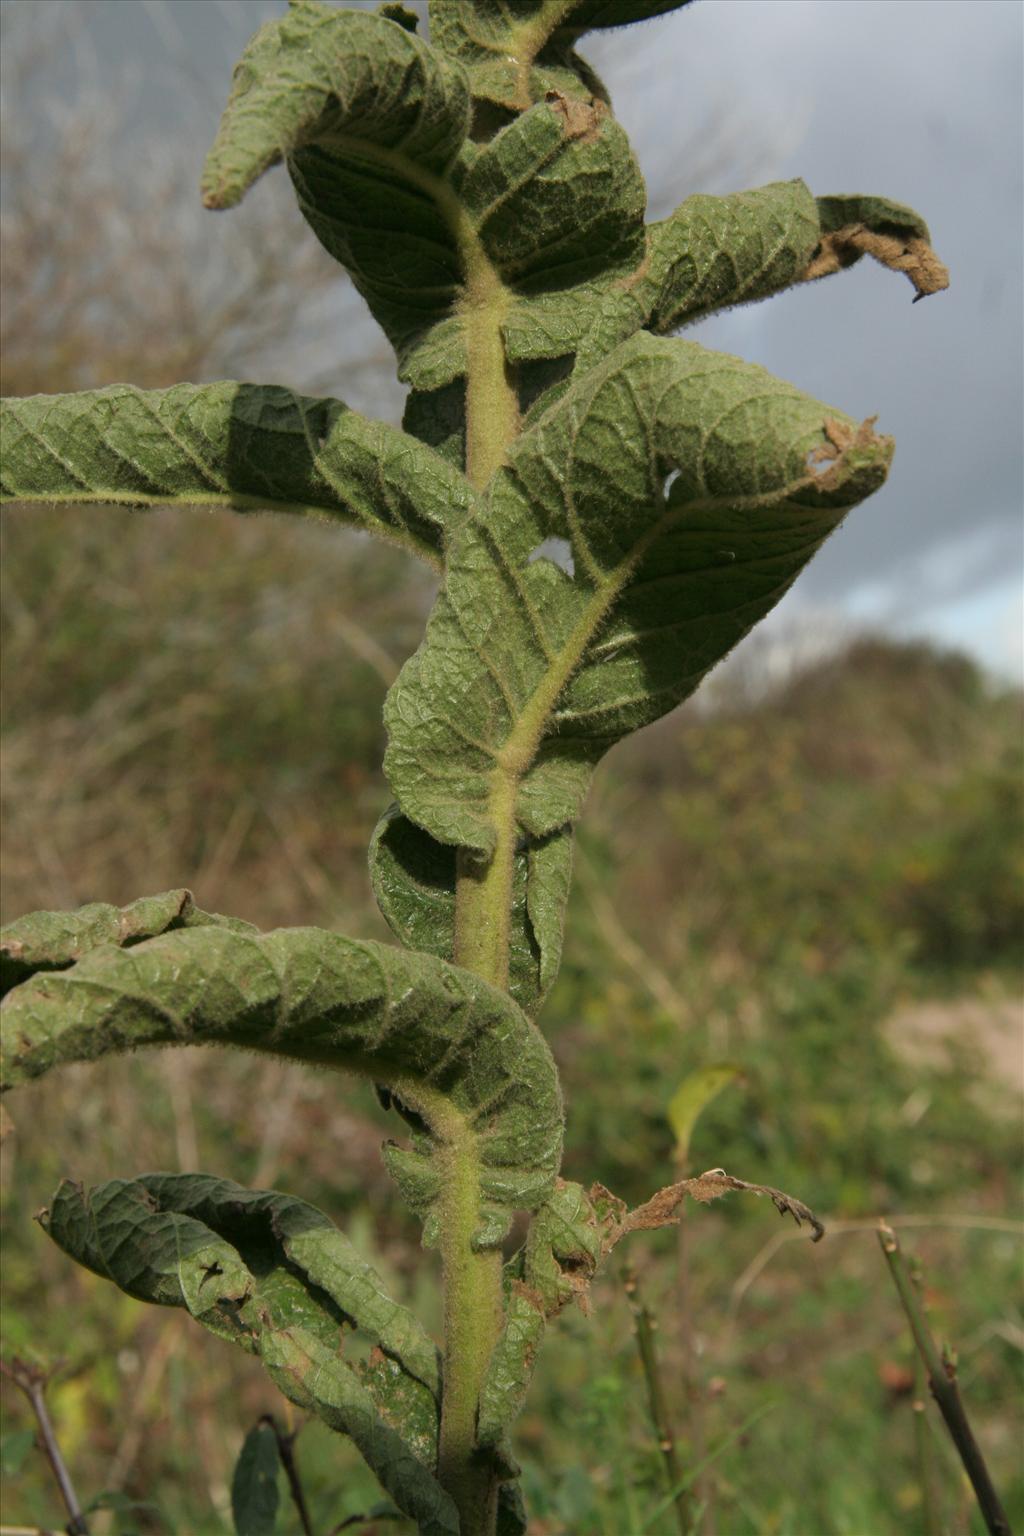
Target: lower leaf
column 274, row 1276
column 454, row 1050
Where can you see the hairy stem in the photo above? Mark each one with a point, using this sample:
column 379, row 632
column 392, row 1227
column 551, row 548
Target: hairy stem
column 473, row 1308
column 472, row 1323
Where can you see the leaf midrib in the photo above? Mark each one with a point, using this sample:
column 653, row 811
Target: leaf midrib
column 516, row 757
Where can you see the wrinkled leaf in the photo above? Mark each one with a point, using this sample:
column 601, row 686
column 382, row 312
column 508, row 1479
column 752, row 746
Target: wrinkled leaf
column 554, row 1267
column 856, row 226
column 664, row 1208
column 713, row 252
column 692, row 489
column 51, row 941
column 254, row 1495
column 370, row 120
column 274, row 1276
column 373, row 125
column 693, row 1096
column 452, row 1049
column 244, row 446
column 514, row 54
column 414, row 883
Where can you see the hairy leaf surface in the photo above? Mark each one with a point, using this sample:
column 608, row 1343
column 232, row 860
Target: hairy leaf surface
column 554, row 1267
column 457, row 1052
column 516, row 52
column 685, row 484
column 243, row 446
column 414, row 883
column 713, row 252
column 51, row 941
column 373, row 125
column 369, row 120
column 275, row 1276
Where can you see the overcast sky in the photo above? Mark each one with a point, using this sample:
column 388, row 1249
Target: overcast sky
column 918, row 100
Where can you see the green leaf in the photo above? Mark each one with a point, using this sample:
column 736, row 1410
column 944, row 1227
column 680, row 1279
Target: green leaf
column 431, row 225
column 369, row 119
column 254, row 1496
column 244, row 446
column 692, row 489
column 51, row 941
column 555, row 1265
column 455, row 1051
column 713, row 252
column 692, row 1097
column 14, row 1450
column 414, row 883
column 556, row 196
column 274, row 1276
column 516, row 53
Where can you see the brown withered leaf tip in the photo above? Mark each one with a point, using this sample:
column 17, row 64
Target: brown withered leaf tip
column 665, row 1208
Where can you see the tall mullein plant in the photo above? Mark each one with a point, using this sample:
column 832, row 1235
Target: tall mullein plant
column 488, row 207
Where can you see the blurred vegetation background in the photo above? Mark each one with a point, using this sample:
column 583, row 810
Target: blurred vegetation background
column 815, row 871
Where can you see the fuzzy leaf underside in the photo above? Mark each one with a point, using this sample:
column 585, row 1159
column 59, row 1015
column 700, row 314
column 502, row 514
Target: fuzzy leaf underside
column 711, row 253
column 321, row 70
column 554, row 1267
column 515, row 53
column 369, row 119
column 52, row 941
column 554, row 197
column 527, row 675
column 243, row 446
column 414, row 884
column 454, row 1050
column 273, row 1275
column 374, row 125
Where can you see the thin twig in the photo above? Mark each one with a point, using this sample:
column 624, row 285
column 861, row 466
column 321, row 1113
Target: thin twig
column 645, row 1325
column 286, row 1451
column 942, row 1380
column 32, row 1381
column 931, row 1513
column 703, row 1484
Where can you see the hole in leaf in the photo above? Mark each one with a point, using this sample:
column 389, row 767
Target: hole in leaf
column 558, row 551
column 819, row 462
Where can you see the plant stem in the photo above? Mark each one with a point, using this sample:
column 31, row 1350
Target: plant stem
column 472, row 1322
column 286, row 1455
column 942, row 1380
column 32, row 1381
column 703, row 1483
column 931, row 1516
column 645, row 1325
column 473, row 1304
